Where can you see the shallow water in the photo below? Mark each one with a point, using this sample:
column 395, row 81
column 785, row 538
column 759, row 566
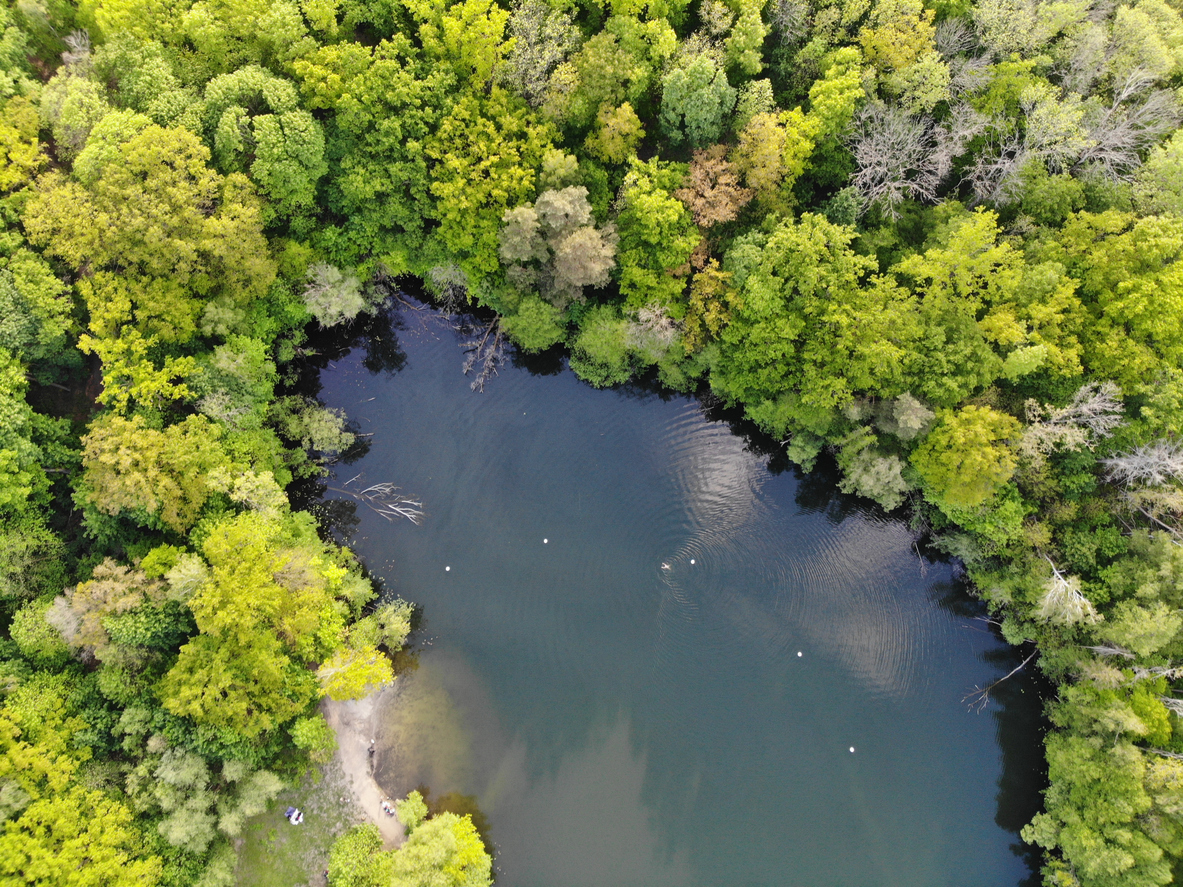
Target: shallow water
column 648, row 656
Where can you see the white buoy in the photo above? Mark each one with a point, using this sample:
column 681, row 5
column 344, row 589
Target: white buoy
column 852, row 749
column 799, row 654
column 691, row 560
column 544, row 541
column 447, row 569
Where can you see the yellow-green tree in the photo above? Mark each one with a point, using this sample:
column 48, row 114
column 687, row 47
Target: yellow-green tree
column 966, row 458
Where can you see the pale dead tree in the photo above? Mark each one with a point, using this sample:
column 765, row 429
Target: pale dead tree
column 956, row 42
column 1170, row 672
column 716, row 18
column 1138, row 118
column 789, row 19
column 331, row 295
column 1102, row 674
column 964, row 124
column 1052, row 125
column 901, row 157
column 896, row 157
column 1053, row 134
column 450, row 286
column 978, row 698
column 1062, row 601
column 1111, row 650
column 954, row 37
column 1094, row 413
column 1078, row 70
column 1153, row 464
column 486, row 352
column 968, row 74
column 77, row 55
column 385, row 499
column 994, row 175
column 1095, row 409
column 653, row 330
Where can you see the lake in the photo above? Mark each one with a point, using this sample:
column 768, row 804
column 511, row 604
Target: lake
column 654, row 658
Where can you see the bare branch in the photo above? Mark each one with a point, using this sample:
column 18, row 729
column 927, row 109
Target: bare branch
column 1132, row 123
column 385, row 499
column 1153, row 464
column 1106, row 650
column 1172, row 705
column 486, row 351
column 979, row 697
column 1166, row 754
column 898, row 156
column 1063, row 602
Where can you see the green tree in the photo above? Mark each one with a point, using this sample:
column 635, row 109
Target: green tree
column 247, row 685
column 485, row 156
column 19, row 145
column 617, row 65
column 75, row 837
column 1093, row 808
column 1131, row 283
column 616, row 135
column 808, row 327
column 159, row 212
column 387, row 105
column 467, row 35
column 254, row 115
column 696, row 100
column 444, row 850
column 21, row 475
column 356, row 858
column 35, row 308
column 657, row 236
column 965, row 459
column 982, row 299
column 161, row 477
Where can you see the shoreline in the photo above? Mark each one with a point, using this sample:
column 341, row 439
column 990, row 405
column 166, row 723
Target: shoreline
column 355, row 727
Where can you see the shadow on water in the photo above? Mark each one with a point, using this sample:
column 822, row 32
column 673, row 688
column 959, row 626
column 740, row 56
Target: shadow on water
column 1017, row 706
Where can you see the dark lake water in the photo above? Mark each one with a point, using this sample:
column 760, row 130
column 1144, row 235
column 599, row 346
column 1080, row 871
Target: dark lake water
column 648, row 655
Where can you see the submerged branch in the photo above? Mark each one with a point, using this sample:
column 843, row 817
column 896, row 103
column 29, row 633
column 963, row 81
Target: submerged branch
column 385, row 499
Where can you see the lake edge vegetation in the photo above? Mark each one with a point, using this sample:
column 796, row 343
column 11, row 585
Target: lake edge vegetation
column 939, row 240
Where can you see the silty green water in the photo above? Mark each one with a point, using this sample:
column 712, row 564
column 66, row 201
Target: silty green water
column 653, row 661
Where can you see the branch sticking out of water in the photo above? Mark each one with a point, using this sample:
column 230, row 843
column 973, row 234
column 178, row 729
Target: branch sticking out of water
column 486, row 352
column 386, row 500
column 979, row 697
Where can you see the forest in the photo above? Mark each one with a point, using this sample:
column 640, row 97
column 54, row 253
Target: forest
column 938, row 241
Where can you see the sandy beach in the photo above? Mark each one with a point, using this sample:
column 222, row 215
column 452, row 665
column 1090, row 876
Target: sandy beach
column 354, row 722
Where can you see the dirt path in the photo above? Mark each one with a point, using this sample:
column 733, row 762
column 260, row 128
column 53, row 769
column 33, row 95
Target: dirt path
column 355, row 725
